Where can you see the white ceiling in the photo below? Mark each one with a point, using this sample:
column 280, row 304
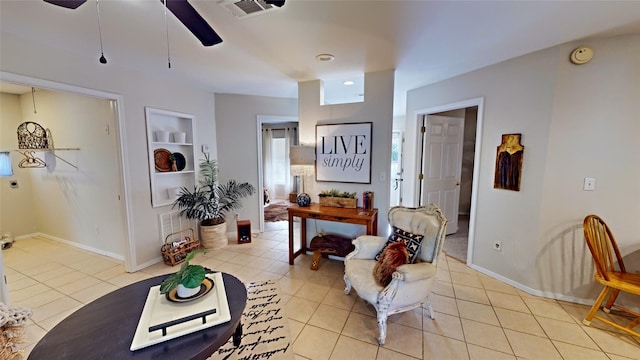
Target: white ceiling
column 424, row 41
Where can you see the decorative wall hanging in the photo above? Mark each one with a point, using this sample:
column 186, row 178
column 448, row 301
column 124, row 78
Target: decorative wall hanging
column 343, row 152
column 32, row 135
column 509, row 163
column 30, row 160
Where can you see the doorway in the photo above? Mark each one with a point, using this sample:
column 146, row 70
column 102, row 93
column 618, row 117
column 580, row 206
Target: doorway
column 397, row 151
column 463, row 173
column 87, row 183
column 276, row 134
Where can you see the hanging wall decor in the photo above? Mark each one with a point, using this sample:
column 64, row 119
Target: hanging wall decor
column 343, row 152
column 509, row 163
column 32, row 135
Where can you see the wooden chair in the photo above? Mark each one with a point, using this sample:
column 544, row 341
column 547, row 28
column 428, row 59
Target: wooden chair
column 603, row 247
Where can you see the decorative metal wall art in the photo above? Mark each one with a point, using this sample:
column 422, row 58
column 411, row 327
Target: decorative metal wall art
column 509, row 163
column 32, row 135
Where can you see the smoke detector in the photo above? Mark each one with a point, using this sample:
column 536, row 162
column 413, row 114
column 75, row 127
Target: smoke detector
column 581, row 55
column 246, row 8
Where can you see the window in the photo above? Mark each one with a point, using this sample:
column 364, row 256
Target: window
column 5, row 163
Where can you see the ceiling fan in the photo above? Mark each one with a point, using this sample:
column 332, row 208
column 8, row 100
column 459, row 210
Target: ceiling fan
column 185, row 13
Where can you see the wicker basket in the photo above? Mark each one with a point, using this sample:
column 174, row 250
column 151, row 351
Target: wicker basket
column 215, row 236
column 177, row 245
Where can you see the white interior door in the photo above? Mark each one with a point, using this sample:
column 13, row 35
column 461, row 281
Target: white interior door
column 397, row 147
column 442, row 165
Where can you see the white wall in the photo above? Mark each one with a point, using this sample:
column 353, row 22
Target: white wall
column 77, row 205
column 237, row 124
column 576, row 122
column 137, row 89
column 15, row 212
column 377, row 108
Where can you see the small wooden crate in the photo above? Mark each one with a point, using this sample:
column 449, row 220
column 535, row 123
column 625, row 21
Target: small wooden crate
column 177, row 245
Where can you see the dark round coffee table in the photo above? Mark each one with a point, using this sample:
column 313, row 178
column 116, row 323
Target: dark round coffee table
column 104, row 328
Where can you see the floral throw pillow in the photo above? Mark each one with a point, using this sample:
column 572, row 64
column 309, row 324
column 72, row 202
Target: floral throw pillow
column 411, row 241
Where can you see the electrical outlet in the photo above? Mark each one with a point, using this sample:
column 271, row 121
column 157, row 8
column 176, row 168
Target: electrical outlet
column 497, row 245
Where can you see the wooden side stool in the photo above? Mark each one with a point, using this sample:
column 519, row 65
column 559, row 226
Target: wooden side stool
column 329, row 244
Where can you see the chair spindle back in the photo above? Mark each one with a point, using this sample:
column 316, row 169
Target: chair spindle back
column 602, row 245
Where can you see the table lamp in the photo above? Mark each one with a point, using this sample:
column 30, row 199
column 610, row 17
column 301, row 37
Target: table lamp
column 302, row 159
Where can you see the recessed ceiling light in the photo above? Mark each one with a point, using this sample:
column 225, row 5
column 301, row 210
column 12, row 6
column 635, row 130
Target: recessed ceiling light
column 325, row 57
column 348, row 82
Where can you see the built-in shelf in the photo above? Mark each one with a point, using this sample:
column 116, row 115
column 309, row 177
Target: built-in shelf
column 170, row 125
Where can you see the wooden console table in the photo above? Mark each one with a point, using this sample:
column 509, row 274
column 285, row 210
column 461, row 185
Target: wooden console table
column 357, row 216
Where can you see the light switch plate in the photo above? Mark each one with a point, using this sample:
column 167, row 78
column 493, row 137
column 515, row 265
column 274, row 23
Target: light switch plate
column 589, row 184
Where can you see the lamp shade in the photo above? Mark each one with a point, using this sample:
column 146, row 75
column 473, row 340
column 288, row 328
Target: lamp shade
column 302, row 155
column 302, row 159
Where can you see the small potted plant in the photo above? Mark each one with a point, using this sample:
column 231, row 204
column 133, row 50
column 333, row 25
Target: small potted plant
column 187, row 279
column 337, row 198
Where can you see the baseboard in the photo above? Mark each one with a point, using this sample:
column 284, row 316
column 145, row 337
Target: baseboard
column 80, row 246
column 27, row 236
column 540, row 293
column 147, row 264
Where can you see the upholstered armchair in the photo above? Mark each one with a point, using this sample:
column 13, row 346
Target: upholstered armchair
column 411, row 283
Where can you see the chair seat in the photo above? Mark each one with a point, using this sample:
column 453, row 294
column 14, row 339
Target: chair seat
column 627, row 282
column 360, row 272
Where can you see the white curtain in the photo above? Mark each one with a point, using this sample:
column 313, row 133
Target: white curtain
column 267, row 161
column 288, row 182
column 276, row 141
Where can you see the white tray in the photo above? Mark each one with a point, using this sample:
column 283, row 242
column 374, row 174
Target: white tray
column 157, row 309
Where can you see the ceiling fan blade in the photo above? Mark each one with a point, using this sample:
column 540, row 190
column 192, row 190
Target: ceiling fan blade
column 278, row 3
column 193, row 21
column 69, row 4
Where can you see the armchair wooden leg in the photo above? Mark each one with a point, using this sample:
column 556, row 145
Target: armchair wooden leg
column 431, row 314
column 347, row 289
column 382, row 325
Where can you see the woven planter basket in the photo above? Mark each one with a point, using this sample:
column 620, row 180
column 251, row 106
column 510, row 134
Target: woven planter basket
column 214, row 236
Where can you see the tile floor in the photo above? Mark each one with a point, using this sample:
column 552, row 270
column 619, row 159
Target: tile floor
column 477, row 317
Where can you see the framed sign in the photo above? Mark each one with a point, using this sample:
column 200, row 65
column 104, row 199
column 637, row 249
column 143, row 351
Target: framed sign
column 343, row 152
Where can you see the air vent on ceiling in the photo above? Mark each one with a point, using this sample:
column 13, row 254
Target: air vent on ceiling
column 246, row 8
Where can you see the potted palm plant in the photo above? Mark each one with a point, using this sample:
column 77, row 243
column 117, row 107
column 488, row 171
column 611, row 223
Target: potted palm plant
column 210, row 202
